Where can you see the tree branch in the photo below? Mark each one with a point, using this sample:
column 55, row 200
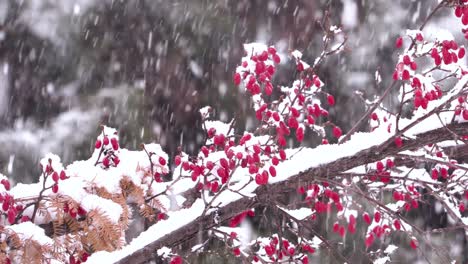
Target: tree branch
column 263, row 194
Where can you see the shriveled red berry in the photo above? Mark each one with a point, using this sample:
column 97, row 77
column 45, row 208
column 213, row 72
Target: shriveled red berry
column 63, row 176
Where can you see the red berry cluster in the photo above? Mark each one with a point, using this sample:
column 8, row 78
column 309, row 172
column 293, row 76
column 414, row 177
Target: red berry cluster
column 108, row 147
column 410, row 197
column 447, row 52
column 74, row 211
column 439, row 172
column 49, row 171
column 263, row 70
column 286, row 250
column 461, row 109
column 461, row 11
column 236, row 220
column 298, row 107
column 382, row 171
column 10, row 209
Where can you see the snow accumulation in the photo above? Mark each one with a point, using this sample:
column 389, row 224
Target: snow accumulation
column 302, row 159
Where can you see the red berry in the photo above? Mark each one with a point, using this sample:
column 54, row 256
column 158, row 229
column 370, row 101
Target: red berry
column 369, row 240
column 405, row 75
column 366, row 218
column 98, row 144
column 261, row 179
column 236, row 251
column 461, row 53
column 275, row 161
column 389, row 163
column 414, row 243
column 272, row 171
column 342, row 231
column 465, row 114
column 177, row 160
column 337, row 132
column 115, row 144
column 300, row 66
column 55, row 176
column 271, row 50
column 458, row 11
column 282, row 154
column 300, row 134
column 380, row 167
column 176, row 260
column 331, row 99
column 63, row 176
column 377, row 217
column 162, row 161
column 84, row 257
column 237, row 78
column 11, row 216
column 106, row 162
column 406, row 60
column 81, row 211
column 336, row 227
column 6, row 184
column 106, row 141
column 276, row 59
column 398, row 142
column 397, row 224
column 55, row 188
column 419, row 37
column 399, row 42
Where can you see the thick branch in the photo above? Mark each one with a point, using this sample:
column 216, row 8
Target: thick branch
column 263, row 194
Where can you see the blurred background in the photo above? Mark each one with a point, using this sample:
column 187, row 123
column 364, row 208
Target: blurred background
column 147, row 66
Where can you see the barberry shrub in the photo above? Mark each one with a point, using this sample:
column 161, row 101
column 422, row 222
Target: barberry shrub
column 367, row 187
